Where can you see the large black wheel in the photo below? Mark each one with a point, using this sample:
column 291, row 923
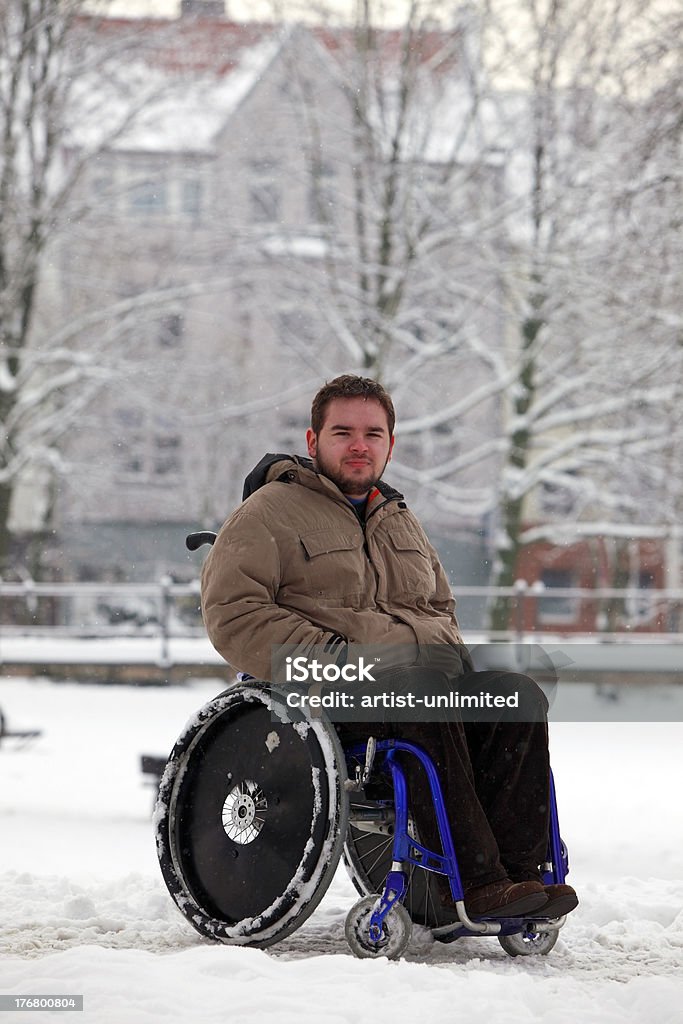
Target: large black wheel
column 251, row 816
column 367, row 856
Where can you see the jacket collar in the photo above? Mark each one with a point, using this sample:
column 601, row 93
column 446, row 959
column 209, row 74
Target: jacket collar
column 379, row 496
column 271, row 467
column 300, row 469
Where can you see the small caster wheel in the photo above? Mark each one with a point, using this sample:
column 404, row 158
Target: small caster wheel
column 529, row 943
column 396, row 929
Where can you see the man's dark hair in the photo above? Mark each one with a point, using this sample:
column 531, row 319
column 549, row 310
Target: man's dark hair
column 350, row 386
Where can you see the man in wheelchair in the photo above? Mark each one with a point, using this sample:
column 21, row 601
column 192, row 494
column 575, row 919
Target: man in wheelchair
column 322, row 554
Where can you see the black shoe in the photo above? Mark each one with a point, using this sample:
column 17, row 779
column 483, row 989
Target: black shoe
column 506, row 899
column 562, row 899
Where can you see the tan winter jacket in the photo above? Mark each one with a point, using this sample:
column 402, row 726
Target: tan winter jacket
column 294, row 565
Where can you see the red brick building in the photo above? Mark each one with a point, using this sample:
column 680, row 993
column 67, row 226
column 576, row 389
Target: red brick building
column 596, row 563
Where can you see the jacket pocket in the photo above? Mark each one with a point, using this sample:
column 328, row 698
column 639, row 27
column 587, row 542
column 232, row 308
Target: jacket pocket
column 334, row 566
column 410, row 567
column 325, row 542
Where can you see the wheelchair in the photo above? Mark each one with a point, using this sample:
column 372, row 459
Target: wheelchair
column 259, row 802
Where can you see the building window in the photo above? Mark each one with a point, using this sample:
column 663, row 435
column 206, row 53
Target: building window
column 642, row 606
column 166, row 458
column 147, row 447
column 171, row 330
column 129, row 440
column 265, row 202
column 149, row 197
column 265, row 195
column 131, row 454
column 191, row 195
column 561, row 609
column 321, row 194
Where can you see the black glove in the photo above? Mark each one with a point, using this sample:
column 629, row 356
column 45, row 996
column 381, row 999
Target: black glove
column 338, row 647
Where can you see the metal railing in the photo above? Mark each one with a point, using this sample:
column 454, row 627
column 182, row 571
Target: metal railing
column 604, row 612
column 167, row 609
column 99, row 610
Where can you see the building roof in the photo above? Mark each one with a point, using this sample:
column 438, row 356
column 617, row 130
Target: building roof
column 184, row 78
column 172, row 85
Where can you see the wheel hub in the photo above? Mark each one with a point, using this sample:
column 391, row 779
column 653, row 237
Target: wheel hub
column 244, row 812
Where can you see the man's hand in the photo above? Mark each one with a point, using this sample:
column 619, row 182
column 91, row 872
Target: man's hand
column 338, row 648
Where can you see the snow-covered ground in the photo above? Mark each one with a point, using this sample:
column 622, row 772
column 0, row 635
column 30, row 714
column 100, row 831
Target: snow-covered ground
column 83, row 909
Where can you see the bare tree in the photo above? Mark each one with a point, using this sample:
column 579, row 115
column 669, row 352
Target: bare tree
column 504, row 176
column 404, row 286
column 47, row 62
column 78, row 290
column 474, row 246
column 595, row 349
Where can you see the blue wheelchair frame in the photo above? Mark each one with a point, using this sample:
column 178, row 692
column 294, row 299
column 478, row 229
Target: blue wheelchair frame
column 406, row 850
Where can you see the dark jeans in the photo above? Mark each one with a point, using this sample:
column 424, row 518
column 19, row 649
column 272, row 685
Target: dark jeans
column 494, row 774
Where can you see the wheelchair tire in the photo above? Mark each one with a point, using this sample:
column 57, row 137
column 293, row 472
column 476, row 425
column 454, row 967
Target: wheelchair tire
column 395, row 933
column 367, row 857
column 529, row 943
column 251, row 816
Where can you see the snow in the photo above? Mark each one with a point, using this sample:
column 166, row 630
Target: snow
column 112, row 650
column 305, row 246
column 85, row 909
column 183, row 116
column 190, row 121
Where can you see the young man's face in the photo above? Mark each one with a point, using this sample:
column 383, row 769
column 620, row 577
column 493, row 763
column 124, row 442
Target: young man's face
column 353, row 446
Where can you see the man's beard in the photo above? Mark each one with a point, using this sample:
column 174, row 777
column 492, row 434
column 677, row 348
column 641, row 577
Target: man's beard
column 350, row 483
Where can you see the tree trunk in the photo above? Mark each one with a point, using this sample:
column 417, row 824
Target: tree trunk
column 5, row 538
column 509, row 545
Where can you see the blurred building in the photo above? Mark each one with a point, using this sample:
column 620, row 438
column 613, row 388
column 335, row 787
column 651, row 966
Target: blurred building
column 211, row 255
